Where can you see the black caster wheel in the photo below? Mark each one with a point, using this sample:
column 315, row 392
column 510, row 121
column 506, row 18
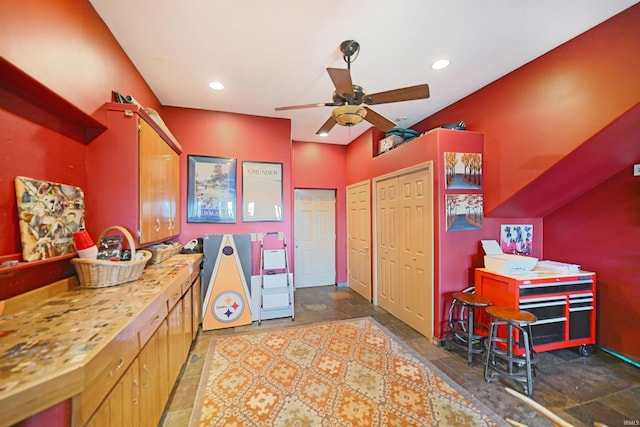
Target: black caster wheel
column 585, row 350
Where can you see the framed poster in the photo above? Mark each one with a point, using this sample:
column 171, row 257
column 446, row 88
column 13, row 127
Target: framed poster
column 262, row 192
column 211, row 189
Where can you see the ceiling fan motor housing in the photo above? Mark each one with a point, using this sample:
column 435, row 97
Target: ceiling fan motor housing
column 357, row 99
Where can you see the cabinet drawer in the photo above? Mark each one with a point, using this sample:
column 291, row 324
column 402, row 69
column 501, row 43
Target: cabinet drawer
column 187, row 283
column 104, row 371
column 147, row 330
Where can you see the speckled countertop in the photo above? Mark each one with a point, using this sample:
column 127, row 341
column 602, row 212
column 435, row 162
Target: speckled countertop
column 57, row 337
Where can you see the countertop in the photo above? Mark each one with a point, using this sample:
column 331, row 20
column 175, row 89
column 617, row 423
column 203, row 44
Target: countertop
column 45, row 348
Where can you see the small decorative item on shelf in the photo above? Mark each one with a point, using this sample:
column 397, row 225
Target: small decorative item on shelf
column 163, row 251
column 84, row 245
column 98, row 273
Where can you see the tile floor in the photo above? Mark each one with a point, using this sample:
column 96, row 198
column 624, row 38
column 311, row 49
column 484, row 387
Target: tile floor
column 581, row 390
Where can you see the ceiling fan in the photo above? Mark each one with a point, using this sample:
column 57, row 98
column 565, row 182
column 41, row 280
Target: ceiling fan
column 348, row 98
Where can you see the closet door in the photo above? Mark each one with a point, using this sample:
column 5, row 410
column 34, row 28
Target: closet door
column 415, row 252
column 387, row 227
column 359, row 238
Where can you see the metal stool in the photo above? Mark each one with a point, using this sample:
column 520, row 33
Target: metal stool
column 500, row 357
column 462, row 329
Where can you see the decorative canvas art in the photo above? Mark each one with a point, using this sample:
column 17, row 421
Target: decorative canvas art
column 516, row 239
column 48, row 213
column 463, row 171
column 464, row 211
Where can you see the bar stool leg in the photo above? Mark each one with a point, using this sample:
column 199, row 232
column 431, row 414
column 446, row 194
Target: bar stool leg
column 491, row 346
column 510, row 347
column 527, row 355
column 470, row 337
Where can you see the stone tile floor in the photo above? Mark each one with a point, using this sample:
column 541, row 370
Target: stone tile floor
column 581, row 390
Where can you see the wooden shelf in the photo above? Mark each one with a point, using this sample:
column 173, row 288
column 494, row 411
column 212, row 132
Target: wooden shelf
column 23, row 264
column 26, row 97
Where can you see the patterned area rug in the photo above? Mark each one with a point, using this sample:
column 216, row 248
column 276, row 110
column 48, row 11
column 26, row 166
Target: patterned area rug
column 345, row 373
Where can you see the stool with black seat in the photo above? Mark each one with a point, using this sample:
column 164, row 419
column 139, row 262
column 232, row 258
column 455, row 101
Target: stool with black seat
column 510, row 346
column 463, row 331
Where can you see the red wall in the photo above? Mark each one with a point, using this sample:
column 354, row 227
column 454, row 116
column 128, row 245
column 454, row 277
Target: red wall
column 555, row 130
column 243, row 137
column 535, row 116
column 322, row 166
column 456, row 253
column 65, row 46
column 601, row 231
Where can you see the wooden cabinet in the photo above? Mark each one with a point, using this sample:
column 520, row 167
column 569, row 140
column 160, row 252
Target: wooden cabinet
column 110, row 351
column 134, row 177
column 122, row 406
column 154, row 378
column 159, row 180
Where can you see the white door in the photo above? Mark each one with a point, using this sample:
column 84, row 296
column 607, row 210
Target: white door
column 314, row 237
column 359, row 238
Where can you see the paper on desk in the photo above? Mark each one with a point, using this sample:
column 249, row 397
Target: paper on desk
column 558, row 266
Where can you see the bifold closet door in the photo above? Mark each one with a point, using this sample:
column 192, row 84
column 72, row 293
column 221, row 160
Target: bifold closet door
column 404, row 247
column 415, row 253
column 387, row 228
column 359, row 238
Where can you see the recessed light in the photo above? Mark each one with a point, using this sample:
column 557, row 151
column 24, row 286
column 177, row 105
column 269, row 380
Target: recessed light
column 216, row 85
column 440, row 64
column 323, row 134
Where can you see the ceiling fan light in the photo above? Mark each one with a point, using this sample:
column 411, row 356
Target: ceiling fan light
column 349, row 115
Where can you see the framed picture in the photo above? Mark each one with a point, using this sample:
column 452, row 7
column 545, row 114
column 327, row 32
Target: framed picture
column 211, row 189
column 464, row 211
column 463, row 171
column 262, row 192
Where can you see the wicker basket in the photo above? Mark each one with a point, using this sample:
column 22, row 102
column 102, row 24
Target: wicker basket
column 98, row 273
column 162, row 252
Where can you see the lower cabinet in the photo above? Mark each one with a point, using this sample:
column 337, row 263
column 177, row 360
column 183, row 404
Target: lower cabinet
column 141, row 394
column 122, row 406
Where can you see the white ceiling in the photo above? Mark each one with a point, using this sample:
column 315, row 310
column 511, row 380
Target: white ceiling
column 274, row 53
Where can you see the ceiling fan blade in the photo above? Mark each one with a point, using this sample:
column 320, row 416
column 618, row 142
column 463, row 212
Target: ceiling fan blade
column 378, row 120
column 296, row 107
column 327, row 126
column 397, row 95
column 341, row 79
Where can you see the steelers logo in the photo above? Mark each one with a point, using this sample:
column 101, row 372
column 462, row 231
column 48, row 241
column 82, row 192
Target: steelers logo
column 227, row 306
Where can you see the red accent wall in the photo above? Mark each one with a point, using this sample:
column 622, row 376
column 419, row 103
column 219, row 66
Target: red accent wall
column 66, row 47
column 322, row 166
column 456, row 253
column 239, row 136
column 535, row 116
column 600, row 231
column 561, row 134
